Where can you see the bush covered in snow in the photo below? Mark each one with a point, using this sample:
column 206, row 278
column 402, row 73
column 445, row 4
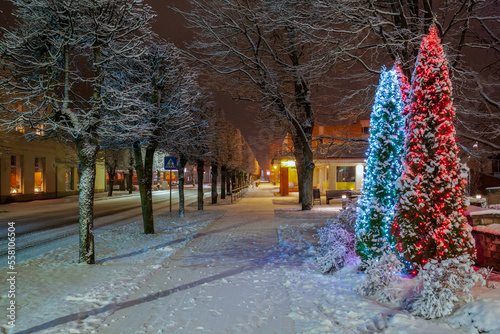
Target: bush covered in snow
column 440, row 284
column 336, row 241
column 381, row 273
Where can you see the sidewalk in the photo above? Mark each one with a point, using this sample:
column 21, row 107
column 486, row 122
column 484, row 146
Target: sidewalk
column 227, row 279
column 215, row 271
column 241, row 268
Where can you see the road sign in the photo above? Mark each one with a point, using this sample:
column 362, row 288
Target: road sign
column 170, row 163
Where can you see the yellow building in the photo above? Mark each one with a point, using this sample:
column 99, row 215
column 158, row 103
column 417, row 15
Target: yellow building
column 338, row 164
column 40, row 170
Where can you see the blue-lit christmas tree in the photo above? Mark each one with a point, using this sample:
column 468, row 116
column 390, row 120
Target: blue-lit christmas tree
column 383, row 166
column 430, row 221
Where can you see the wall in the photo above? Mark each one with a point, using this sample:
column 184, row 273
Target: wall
column 28, row 152
column 325, row 175
column 57, row 157
column 488, row 249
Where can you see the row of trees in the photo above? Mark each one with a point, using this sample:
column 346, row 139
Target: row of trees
column 95, row 75
column 297, row 58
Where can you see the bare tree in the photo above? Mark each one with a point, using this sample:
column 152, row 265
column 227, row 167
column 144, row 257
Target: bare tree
column 113, row 160
column 159, row 83
column 381, row 32
column 56, row 59
column 194, row 144
column 265, row 55
column 216, row 152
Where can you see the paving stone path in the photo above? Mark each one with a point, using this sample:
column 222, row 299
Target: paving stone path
column 228, row 279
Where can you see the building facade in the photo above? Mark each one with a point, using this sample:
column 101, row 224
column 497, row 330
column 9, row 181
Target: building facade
column 40, row 169
column 340, row 153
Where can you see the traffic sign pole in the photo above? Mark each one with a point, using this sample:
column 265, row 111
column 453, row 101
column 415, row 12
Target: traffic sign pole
column 169, row 164
column 170, row 190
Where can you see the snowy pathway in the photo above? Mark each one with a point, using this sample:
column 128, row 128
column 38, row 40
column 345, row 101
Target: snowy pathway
column 223, row 281
column 240, row 268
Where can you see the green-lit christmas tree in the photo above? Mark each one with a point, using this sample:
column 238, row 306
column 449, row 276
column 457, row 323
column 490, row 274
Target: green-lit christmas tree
column 430, row 221
column 383, row 167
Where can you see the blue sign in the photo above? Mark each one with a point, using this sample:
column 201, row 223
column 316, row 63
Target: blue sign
column 170, row 163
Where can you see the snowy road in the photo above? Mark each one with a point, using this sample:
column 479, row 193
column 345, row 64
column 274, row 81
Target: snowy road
column 45, row 225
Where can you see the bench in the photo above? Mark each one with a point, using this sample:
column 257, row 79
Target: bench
column 337, row 194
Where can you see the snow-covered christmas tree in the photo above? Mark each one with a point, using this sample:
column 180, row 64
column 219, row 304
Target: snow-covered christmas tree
column 430, row 221
column 383, row 167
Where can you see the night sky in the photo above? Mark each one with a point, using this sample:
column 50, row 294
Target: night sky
column 170, row 25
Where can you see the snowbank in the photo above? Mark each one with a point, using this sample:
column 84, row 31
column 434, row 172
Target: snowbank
column 492, row 228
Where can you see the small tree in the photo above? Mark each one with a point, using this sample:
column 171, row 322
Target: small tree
column 113, row 160
column 158, row 83
column 430, row 220
column 383, row 167
column 194, row 143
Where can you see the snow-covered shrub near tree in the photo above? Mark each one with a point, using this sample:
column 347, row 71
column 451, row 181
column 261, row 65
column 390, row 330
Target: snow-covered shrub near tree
column 337, row 242
column 441, row 285
column 381, row 274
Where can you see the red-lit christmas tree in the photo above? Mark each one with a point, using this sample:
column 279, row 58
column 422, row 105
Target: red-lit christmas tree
column 430, row 221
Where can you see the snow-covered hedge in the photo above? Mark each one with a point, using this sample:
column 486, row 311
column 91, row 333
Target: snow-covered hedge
column 336, row 241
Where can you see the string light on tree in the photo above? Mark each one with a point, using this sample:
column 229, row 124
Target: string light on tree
column 430, row 221
column 383, row 166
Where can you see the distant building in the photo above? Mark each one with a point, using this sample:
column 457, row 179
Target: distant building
column 339, row 163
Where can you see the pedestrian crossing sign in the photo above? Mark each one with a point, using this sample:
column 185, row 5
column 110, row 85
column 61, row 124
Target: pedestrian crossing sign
column 170, row 163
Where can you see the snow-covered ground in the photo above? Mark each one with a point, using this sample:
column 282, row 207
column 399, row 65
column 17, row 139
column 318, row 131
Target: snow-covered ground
column 242, row 268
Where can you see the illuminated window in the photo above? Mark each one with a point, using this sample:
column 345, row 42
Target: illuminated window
column 39, row 164
column 15, row 174
column 346, row 174
column 70, row 180
column 20, row 125
column 19, row 128
column 39, row 130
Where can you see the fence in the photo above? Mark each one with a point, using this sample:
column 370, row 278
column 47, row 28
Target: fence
column 238, row 192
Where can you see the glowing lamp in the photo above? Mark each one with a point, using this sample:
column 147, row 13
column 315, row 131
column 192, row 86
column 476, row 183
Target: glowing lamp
column 287, row 163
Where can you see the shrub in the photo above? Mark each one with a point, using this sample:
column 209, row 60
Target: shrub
column 381, row 273
column 440, row 286
column 336, row 241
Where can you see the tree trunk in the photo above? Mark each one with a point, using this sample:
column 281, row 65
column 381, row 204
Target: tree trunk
column 300, row 175
column 130, row 186
column 111, row 180
column 234, row 179
column 228, row 181
column 307, row 183
column 87, row 152
column 305, row 172
column 200, row 166
column 223, row 182
column 145, row 180
column 180, row 170
column 214, row 183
